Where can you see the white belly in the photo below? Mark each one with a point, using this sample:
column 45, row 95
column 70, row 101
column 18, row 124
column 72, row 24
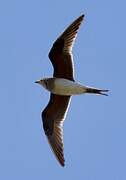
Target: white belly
column 67, row 87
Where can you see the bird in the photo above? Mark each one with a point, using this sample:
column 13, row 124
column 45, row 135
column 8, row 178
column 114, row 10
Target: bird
column 62, row 86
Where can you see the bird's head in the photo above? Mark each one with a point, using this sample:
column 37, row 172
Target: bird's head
column 42, row 82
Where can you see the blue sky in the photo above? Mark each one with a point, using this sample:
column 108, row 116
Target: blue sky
column 95, row 126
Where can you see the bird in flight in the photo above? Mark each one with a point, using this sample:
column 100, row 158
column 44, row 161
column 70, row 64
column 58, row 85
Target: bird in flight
column 62, row 86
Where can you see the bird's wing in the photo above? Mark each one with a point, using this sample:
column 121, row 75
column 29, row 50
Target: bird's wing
column 61, row 52
column 53, row 117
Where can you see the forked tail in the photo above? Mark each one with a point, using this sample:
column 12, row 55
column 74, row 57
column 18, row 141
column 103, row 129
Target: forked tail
column 96, row 91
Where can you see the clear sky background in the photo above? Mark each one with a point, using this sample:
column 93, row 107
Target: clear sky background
column 95, row 126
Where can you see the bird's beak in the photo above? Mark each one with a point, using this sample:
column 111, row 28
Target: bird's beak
column 37, row 82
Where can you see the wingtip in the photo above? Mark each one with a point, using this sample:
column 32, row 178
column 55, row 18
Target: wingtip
column 61, row 161
column 62, row 164
column 81, row 16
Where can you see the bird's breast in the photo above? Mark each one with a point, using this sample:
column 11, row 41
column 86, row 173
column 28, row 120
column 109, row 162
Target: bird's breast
column 67, row 87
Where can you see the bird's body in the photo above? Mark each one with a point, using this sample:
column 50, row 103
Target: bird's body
column 62, row 86
column 65, row 87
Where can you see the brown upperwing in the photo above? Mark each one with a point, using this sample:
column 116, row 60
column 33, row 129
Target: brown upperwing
column 61, row 52
column 53, row 117
column 54, row 114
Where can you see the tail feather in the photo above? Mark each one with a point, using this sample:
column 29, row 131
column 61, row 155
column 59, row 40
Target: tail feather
column 97, row 91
